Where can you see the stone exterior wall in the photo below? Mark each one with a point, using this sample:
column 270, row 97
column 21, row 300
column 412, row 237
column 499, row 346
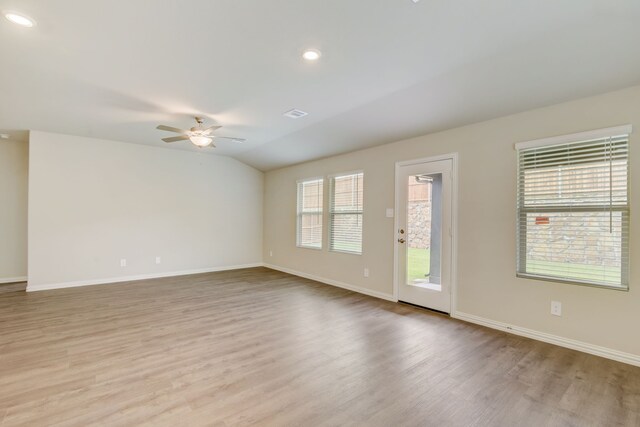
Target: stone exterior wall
column 419, row 214
column 419, row 224
column 576, row 239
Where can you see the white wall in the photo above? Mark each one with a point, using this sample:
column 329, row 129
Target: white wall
column 93, row 202
column 487, row 286
column 14, row 166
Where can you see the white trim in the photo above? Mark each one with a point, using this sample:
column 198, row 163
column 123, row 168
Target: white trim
column 313, row 179
column 62, row 285
column 343, row 174
column 360, row 290
column 309, row 247
column 631, row 359
column 454, row 221
column 449, row 156
column 574, row 137
column 454, row 230
column 13, row 279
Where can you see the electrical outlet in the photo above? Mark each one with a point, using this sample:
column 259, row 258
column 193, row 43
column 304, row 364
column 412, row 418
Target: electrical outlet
column 366, row 272
column 389, row 213
column 556, row 308
column 123, row 262
column 158, row 260
column 270, row 253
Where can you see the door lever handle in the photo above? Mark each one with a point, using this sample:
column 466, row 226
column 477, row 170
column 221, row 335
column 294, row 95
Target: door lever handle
column 401, row 240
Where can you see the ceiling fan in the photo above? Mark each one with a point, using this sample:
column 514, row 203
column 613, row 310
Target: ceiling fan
column 198, row 135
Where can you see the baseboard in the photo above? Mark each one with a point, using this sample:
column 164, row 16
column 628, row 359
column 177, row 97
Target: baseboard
column 50, row 286
column 13, row 279
column 631, row 359
column 331, row 282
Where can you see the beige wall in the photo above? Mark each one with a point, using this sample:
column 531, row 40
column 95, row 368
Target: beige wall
column 14, row 166
column 93, row 202
column 487, row 286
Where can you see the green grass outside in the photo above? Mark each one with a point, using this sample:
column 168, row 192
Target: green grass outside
column 418, row 264
column 347, row 247
column 587, row 272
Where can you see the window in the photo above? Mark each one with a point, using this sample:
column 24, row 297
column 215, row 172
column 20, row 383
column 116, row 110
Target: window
column 345, row 213
column 309, row 227
column 573, row 208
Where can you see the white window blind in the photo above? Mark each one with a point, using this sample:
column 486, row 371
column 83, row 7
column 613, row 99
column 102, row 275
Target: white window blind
column 573, row 212
column 309, row 225
column 345, row 213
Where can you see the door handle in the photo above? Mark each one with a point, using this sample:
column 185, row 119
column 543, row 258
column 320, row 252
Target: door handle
column 401, row 240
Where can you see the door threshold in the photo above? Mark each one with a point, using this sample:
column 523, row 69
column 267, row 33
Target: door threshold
column 425, row 308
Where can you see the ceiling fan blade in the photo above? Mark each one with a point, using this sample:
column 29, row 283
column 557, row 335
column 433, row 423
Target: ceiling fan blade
column 238, row 140
column 210, row 129
column 172, row 129
column 176, row 138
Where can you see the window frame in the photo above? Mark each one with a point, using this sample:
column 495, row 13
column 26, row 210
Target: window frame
column 522, row 211
column 331, row 212
column 299, row 186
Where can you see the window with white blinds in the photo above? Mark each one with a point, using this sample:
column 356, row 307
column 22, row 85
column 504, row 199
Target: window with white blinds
column 309, row 226
column 573, row 211
column 345, row 213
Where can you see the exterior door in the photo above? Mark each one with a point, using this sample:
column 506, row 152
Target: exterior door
column 424, row 234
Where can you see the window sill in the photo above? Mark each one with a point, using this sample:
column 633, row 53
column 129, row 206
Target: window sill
column 309, row 247
column 572, row 282
column 345, row 252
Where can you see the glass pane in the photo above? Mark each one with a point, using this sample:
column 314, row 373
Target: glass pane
column 585, row 184
column 346, row 231
column 311, row 230
column 346, row 213
column 347, row 193
column 424, row 205
column 583, row 246
column 312, row 197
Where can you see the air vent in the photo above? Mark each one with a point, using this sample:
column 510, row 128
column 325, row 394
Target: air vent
column 295, row 114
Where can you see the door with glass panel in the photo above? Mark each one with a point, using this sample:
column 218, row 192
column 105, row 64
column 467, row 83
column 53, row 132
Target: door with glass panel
column 423, row 237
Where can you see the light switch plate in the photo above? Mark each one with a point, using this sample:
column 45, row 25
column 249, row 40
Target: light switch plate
column 389, row 212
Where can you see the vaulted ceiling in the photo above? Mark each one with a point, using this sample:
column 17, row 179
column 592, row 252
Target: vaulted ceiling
column 389, row 69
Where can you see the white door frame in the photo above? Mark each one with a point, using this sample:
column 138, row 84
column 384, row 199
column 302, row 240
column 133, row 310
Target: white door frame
column 454, row 223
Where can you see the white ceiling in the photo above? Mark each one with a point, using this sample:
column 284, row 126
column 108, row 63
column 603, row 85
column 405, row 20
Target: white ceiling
column 390, row 69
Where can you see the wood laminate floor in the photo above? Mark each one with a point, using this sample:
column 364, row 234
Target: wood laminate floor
column 262, row 347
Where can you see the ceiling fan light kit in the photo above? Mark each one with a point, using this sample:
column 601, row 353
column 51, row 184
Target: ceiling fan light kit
column 200, row 141
column 198, row 135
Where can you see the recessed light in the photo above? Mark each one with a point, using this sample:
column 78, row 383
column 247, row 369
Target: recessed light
column 311, row 54
column 20, row 19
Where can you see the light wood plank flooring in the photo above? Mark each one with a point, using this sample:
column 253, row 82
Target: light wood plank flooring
column 262, row 347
